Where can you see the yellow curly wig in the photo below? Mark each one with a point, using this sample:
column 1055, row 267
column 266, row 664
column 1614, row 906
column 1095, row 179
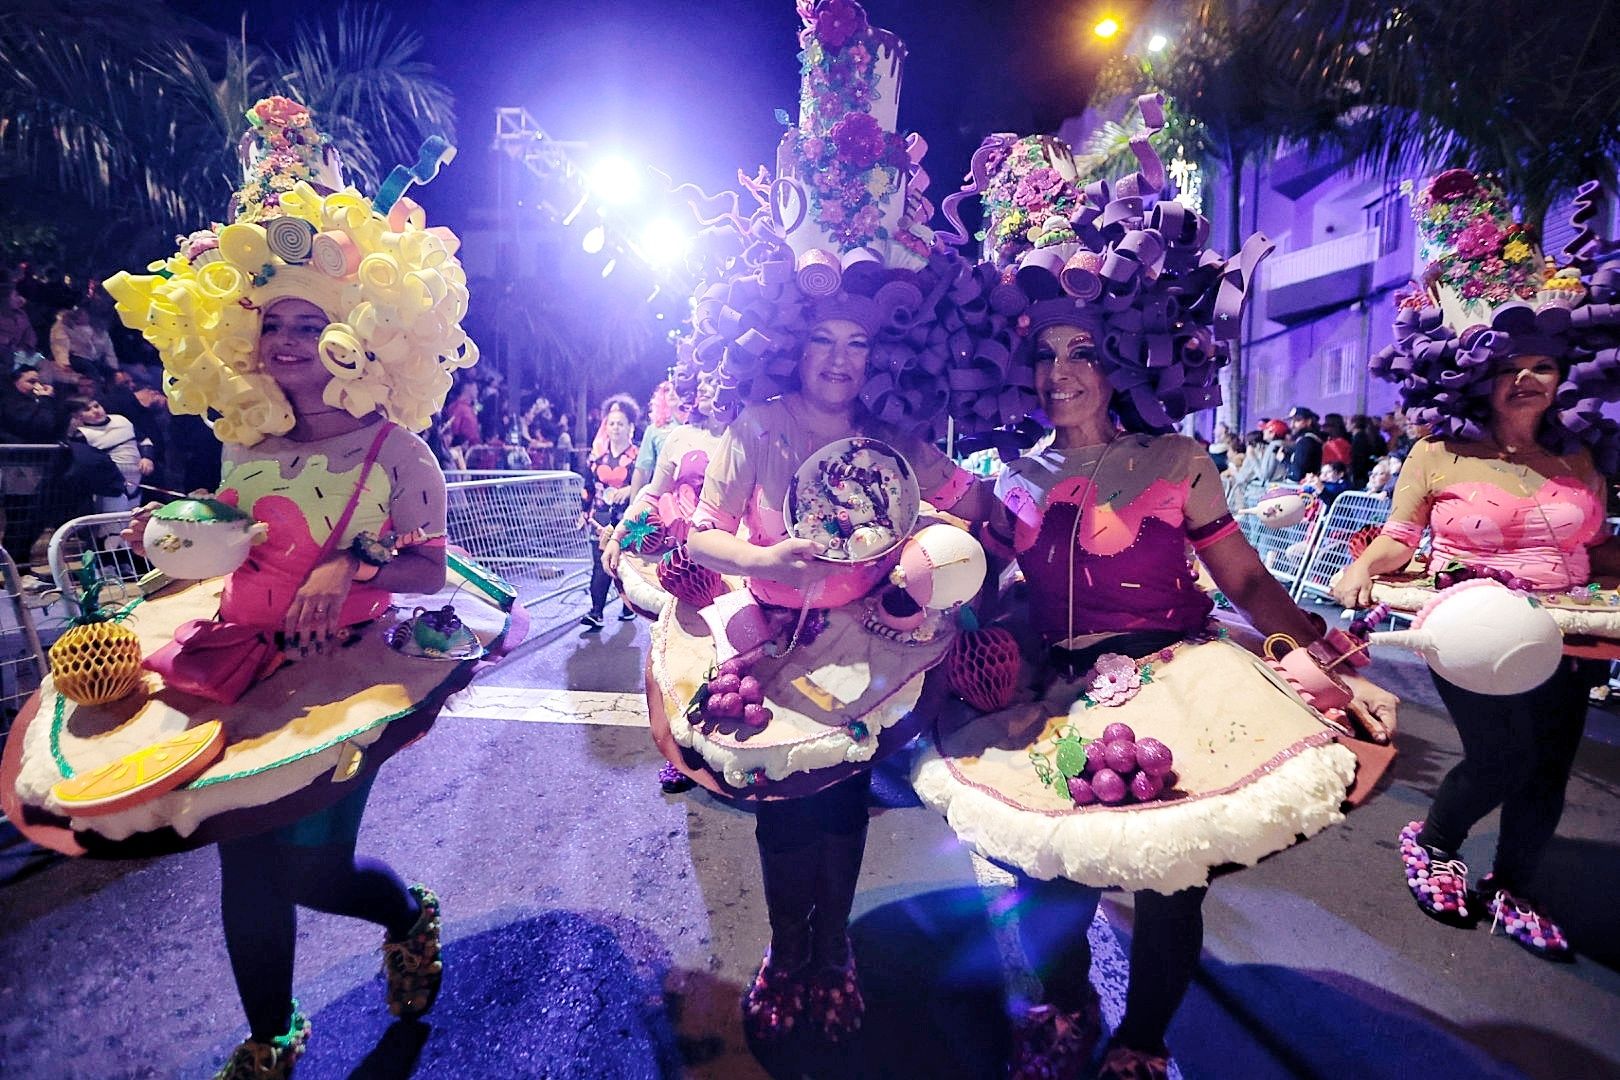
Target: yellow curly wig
column 393, row 288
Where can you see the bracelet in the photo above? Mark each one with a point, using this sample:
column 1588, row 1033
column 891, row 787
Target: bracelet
column 371, row 551
column 1337, row 647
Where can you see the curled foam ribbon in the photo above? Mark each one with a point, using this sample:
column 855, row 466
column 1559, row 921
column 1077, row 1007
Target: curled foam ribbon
column 1583, row 218
column 434, row 153
column 985, row 161
column 1236, row 277
column 335, row 254
column 819, row 273
column 341, row 352
column 244, row 244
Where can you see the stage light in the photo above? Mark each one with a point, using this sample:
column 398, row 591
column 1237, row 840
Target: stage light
column 1107, row 28
column 665, row 242
column 609, row 267
column 594, row 240
column 616, row 180
column 1157, row 42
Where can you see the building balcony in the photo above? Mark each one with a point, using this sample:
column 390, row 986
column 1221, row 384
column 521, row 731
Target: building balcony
column 1301, row 283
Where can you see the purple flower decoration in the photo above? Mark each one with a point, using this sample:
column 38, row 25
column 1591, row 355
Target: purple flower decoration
column 1038, row 186
column 1480, row 239
column 859, row 139
column 1451, row 185
column 838, row 21
column 1114, row 680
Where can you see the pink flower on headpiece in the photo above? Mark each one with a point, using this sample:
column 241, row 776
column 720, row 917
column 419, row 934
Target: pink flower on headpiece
column 867, row 220
column 859, row 139
column 1452, row 184
column 837, row 21
column 281, row 112
column 1038, row 186
column 813, row 148
column 1480, row 239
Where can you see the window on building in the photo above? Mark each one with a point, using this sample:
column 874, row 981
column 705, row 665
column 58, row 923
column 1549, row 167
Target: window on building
column 1338, row 364
column 1385, row 216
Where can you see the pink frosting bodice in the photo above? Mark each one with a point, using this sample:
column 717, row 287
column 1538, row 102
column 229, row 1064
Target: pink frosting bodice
column 1541, row 538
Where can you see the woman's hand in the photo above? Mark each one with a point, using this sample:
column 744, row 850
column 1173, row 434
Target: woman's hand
column 1373, row 708
column 134, row 534
column 147, row 466
column 1353, row 587
column 313, row 618
column 792, row 562
column 610, row 554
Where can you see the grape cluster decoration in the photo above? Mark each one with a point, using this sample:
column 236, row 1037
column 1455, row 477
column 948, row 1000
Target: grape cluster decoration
column 1115, row 769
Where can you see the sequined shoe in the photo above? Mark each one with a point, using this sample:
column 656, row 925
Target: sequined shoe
column 273, row 1060
column 412, row 964
column 1520, row 920
column 672, row 781
column 1439, row 884
column 775, row 1003
column 1050, row 1044
column 1127, row 1063
column 836, row 1006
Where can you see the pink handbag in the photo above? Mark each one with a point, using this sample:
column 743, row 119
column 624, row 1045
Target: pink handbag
column 219, row 660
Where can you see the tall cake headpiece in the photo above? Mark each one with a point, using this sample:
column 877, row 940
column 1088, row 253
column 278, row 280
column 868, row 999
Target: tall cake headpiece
column 392, row 287
column 841, row 231
column 1488, row 294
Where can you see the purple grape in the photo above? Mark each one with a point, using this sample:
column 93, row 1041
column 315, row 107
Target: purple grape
column 750, row 689
column 725, row 684
column 1081, row 792
column 1145, row 786
column 756, row 715
column 1116, row 732
column 1096, row 757
column 1109, row 786
column 734, row 666
column 726, row 706
column 1152, row 756
column 1121, row 756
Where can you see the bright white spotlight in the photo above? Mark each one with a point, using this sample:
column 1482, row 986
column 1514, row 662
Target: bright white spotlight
column 594, row 240
column 1157, row 42
column 665, row 242
column 616, row 180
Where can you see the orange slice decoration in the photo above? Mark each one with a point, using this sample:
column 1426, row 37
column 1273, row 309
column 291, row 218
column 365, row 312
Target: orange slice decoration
column 142, row 775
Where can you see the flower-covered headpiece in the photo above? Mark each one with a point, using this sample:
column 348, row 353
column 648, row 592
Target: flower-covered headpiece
column 1117, row 259
column 1488, row 295
column 392, row 287
column 841, row 231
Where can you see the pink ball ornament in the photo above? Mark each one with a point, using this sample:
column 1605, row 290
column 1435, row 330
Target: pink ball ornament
column 1121, row 755
column 1109, row 786
column 1145, row 786
column 1081, row 792
column 1115, row 732
column 1152, row 756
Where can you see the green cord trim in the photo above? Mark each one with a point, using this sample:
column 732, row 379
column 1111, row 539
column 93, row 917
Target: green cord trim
column 484, row 580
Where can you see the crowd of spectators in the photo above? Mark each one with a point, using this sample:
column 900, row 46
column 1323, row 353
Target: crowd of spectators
column 1321, row 452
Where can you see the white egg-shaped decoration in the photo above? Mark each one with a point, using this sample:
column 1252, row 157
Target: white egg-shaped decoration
column 192, row 539
column 1484, row 637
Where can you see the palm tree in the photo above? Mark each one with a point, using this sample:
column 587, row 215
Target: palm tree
column 136, row 112
column 1521, row 89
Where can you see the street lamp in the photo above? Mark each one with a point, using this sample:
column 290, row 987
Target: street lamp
column 1106, row 28
column 1157, row 42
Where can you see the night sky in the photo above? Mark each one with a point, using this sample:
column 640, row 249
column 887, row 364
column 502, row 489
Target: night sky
column 691, row 88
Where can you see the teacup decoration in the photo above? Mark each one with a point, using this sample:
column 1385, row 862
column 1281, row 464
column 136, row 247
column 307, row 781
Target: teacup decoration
column 433, row 630
column 192, row 539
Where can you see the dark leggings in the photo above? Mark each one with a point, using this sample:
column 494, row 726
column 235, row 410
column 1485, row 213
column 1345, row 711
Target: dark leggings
column 810, row 852
column 600, row 578
column 265, row 878
column 1517, row 754
column 1053, row 918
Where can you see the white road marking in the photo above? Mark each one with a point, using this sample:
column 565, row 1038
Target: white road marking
column 543, row 705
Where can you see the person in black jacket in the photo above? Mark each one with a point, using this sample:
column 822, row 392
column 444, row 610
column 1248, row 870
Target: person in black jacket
column 29, row 414
column 1305, row 459
column 1366, row 446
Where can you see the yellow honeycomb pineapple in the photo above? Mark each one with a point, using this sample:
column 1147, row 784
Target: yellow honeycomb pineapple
column 97, row 660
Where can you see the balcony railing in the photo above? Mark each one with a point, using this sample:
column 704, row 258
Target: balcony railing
column 1322, row 260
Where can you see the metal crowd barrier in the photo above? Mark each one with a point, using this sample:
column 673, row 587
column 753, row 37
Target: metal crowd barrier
column 33, row 502
column 522, row 525
column 1351, row 512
